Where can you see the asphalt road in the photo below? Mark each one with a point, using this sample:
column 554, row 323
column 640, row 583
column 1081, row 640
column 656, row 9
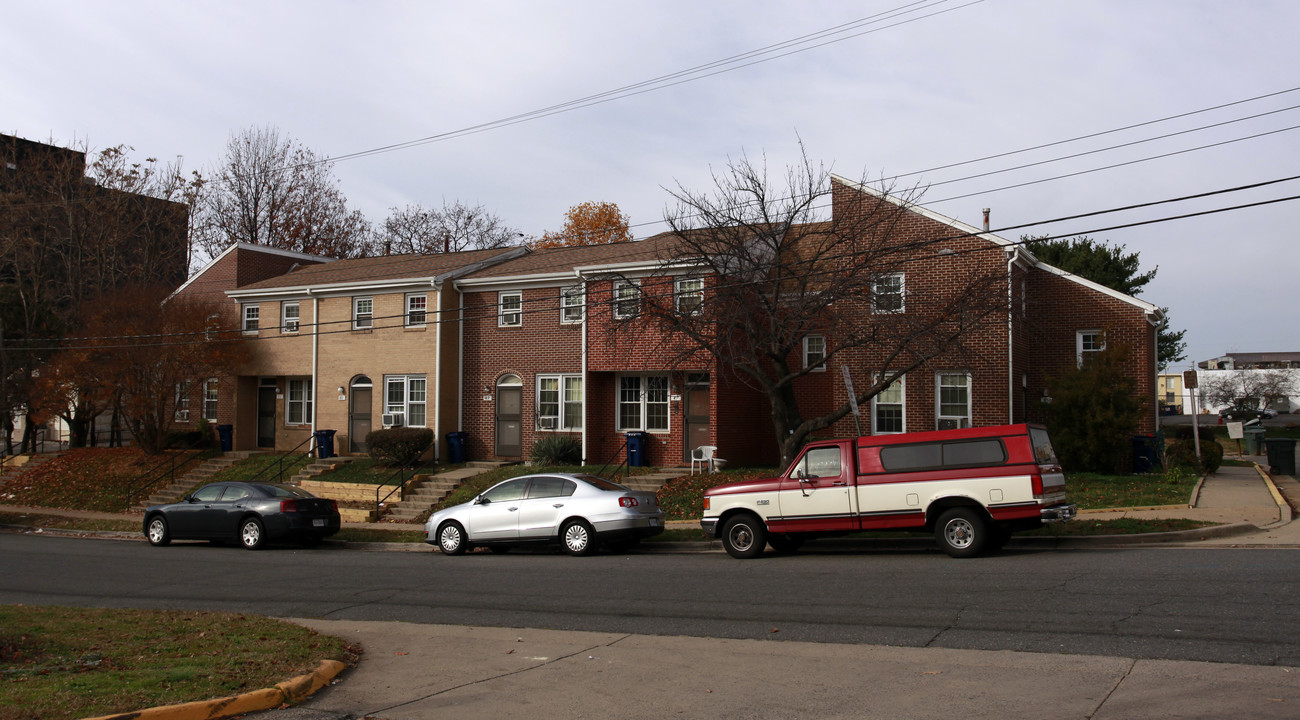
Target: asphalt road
column 1220, row 605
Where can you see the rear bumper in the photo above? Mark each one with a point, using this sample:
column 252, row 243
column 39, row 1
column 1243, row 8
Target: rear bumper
column 629, row 527
column 1063, row 512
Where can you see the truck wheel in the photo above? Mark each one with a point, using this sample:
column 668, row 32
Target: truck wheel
column 962, row 532
column 744, row 536
column 785, row 543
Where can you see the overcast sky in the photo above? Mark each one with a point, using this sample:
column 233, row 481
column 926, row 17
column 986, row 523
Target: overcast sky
column 925, row 85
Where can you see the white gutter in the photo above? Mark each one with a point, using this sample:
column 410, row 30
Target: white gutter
column 437, row 378
column 315, row 366
column 585, row 420
column 1011, row 339
column 460, row 362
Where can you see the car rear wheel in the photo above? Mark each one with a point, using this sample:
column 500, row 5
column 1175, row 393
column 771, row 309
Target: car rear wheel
column 451, row 539
column 251, row 535
column 158, row 533
column 744, row 536
column 962, row 532
column 577, row 538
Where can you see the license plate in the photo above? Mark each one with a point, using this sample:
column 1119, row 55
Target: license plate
column 654, row 522
column 318, row 522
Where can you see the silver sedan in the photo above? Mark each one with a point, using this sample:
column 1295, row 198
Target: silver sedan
column 580, row 512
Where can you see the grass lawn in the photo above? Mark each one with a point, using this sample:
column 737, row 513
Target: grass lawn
column 81, row 662
column 87, row 479
column 263, row 468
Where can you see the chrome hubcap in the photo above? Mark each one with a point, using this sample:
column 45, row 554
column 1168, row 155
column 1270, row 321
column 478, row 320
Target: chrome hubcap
column 251, row 534
column 576, row 538
column 742, row 537
column 450, row 539
column 156, row 530
column 959, row 533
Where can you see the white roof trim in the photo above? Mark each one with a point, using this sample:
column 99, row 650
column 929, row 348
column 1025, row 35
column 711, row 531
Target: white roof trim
column 247, row 246
column 1141, row 304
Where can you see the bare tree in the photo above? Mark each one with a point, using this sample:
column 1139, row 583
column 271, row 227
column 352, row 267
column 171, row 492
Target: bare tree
column 270, row 190
column 773, row 270
column 456, row 227
column 1233, row 387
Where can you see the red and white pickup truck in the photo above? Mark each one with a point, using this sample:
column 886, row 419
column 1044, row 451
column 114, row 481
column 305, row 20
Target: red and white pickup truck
column 971, row 487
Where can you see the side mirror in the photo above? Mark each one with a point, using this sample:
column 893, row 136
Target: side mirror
column 188, row 498
column 481, row 500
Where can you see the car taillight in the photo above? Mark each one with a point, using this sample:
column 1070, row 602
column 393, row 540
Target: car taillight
column 1036, row 481
column 627, row 502
column 288, row 506
column 334, row 505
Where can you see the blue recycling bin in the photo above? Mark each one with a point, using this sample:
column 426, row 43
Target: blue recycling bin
column 325, row 443
column 226, row 436
column 636, row 448
column 1146, row 454
column 456, row 446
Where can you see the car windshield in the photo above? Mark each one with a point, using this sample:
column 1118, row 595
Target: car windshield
column 601, row 483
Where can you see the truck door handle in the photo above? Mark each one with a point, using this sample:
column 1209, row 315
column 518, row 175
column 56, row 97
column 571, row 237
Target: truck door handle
column 839, row 482
column 558, row 505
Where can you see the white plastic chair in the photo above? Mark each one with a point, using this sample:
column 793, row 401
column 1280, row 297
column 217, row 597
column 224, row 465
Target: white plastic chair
column 703, row 455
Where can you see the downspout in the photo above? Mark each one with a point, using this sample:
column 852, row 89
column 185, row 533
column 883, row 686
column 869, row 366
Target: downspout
column 585, row 421
column 1011, row 338
column 460, row 362
column 437, row 376
column 315, row 367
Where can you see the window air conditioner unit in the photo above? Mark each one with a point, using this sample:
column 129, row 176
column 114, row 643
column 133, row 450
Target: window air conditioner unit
column 393, row 419
column 953, row 423
column 546, row 423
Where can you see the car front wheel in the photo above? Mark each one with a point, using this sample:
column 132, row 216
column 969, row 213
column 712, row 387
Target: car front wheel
column 251, row 535
column 744, row 536
column 451, row 539
column 577, row 538
column 157, row 532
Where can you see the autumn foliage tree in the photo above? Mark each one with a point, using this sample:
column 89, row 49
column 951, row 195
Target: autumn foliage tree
column 138, row 349
column 589, row 223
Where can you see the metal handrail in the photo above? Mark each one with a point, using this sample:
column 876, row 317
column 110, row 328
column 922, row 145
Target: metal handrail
column 148, row 477
column 622, row 464
column 401, row 484
column 279, row 461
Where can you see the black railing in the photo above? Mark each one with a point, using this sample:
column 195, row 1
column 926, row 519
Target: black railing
column 167, row 468
column 279, row 461
column 401, row 477
column 622, row 464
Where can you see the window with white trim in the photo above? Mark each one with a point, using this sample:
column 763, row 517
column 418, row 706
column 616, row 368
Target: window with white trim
column 510, row 308
column 210, row 399
column 559, row 402
column 572, row 300
column 887, row 293
column 182, row 401
column 250, row 313
column 643, row 402
column 689, row 295
column 627, row 299
column 407, row 394
column 887, row 409
column 1088, row 343
column 289, row 314
column 363, row 313
column 297, row 406
column 814, row 353
column 953, row 400
column 417, row 307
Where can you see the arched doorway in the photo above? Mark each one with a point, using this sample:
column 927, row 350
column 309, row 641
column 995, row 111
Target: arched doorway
column 510, row 416
column 359, row 409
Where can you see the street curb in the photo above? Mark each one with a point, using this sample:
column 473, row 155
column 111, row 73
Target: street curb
column 1283, row 507
column 291, row 691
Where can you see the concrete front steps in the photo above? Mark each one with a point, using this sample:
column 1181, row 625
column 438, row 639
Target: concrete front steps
column 429, row 490
column 356, row 500
column 196, row 477
column 651, row 481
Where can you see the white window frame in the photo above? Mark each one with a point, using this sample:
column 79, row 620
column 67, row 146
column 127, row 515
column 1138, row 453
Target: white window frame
column 691, row 288
column 182, row 401
column 414, row 390
column 251, row 316
column 363, row 320
column 939, row 385
column 899, row 385
column 289, row 324
column 567, row 403
column 417, row 310
column 647, row 398
column 298, row 401
column 880, row 292
column 1081, row 344
column 210, row 399
column 809, row 363
column 514, row 316
column 573, row 303
column 632, row 288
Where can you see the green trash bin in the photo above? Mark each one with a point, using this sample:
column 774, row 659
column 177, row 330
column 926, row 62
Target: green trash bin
column 1281, row 455
column 1253, row 440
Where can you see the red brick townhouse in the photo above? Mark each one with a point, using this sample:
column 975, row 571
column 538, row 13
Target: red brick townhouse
column 539, row 356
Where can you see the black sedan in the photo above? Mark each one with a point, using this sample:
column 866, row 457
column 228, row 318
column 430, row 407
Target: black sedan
column 250, row 513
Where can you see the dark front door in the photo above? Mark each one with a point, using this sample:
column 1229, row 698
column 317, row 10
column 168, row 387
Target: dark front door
column 266, row 417
column 359, row 419
column 696, row 411
column 510, row 441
